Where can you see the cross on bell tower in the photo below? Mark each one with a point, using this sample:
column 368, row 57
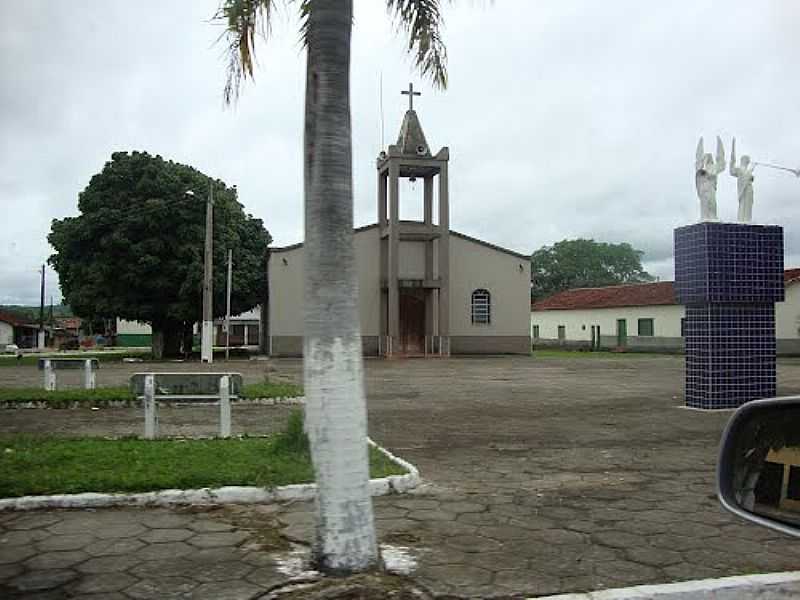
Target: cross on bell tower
column 415, row 298
column 411, row 93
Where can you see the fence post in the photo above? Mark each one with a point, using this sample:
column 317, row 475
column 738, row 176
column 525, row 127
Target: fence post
column 49, row 376
column 225, row 406
column 88, row 375
column 150, row 408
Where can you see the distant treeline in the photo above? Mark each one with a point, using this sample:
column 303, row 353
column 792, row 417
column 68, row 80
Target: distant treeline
column 31, row 313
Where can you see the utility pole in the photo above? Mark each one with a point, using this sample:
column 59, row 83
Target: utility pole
column 40, row 339
column 228, row 307
column 207, row 336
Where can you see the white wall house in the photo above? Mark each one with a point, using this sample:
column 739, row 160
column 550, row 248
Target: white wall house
column 642, row 316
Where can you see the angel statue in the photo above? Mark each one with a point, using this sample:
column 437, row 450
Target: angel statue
column 706, row 171
column 744, row 184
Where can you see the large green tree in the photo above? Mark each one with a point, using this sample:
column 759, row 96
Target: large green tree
column 336, row 419
column 135, row 251
column 584, row 263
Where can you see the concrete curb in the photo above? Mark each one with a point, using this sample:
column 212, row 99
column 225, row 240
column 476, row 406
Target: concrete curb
column 43, row 404
column 681, row 589
column 232, row 494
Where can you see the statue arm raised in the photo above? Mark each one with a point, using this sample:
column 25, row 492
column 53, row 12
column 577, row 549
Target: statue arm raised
column 720, row 162
column 733, row 169
column 698, row 157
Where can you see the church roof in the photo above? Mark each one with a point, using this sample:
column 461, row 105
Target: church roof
column 411, row 140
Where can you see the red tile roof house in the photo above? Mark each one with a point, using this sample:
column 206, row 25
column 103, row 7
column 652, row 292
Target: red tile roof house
column 639, row 317
column 14, row 330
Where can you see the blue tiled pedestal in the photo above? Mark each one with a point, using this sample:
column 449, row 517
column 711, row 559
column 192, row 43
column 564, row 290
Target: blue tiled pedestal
column 729, row 276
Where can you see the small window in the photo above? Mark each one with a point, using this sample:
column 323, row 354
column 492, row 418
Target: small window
column 536, row 332
column 646, row 327
column 481, row 307
column 683, row 327
column 562, row 332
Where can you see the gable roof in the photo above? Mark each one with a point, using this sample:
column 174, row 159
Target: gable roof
column 635, row 294
column 11, row 319
column 452, row 232
column 661, row 293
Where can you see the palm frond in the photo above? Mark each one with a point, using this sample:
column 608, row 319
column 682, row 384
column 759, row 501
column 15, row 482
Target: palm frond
column 243, row 20
column 422, row 21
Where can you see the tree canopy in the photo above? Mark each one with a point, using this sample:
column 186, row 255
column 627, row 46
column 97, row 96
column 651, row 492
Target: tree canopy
column 584, row 263
column 135, row 251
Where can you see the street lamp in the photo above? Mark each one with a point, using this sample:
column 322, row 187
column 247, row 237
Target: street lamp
column 207, row 333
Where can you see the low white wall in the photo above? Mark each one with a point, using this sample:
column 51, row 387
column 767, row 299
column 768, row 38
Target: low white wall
column 787, row 314
column 133, row 327
column 578, row 323
column 6, row 334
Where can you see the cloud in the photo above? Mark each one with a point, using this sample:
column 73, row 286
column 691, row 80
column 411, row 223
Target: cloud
column 564, row 120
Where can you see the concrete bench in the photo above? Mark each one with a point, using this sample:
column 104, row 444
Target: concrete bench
column 51, row 365
column 153, row 388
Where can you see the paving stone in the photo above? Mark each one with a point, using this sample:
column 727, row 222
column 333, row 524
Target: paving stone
column 297, row 518
column 301, row 534
column 22, row 537
column 119, row 530
column 33, row 581
column 685, row 571
column 160, row 536
column 209, row 526
column 170, row 567
column 109, row 564
column 655, row 557
column 431, row 515
column 65, row 542
column 159, row 588
column 482, row 518
column 75, row 522
column 227, row 590
column 56, row 560
column 14, row 554
column 442, row 528
column 114, row 547
column 472, row 543
column 618, row 539
column 34, row 521
column 504, row 533
column 163, row 551
column 266, row 576
column 210, row 540
column 458, row 575
column 166, row 520
column 104, row 582
column 527, row 581
column 224, row 571
column 414, row 504
column 9, row 571
column 626, row 572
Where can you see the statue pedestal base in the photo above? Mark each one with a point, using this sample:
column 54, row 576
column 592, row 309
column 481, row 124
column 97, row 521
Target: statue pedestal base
column 729, row 276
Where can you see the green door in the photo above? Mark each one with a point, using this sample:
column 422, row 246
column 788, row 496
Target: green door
column 622, row 332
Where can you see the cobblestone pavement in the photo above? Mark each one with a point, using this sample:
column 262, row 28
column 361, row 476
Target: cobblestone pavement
column 543, row 476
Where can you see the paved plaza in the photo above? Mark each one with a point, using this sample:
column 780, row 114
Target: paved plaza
column 542, row 476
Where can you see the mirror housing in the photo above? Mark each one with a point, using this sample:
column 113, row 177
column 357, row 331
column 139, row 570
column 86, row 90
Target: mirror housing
column 758, row 471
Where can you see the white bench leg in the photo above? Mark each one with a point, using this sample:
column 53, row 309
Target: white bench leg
column 49, row 376
column 150, row 409
column 225, row 407
column 89, row 381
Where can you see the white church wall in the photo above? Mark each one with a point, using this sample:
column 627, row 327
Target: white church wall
column 6, row 334
column 787, row 320
column 507, row 278
column 412, row 260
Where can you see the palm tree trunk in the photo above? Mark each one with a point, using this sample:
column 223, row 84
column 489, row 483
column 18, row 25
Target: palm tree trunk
column 336, row 417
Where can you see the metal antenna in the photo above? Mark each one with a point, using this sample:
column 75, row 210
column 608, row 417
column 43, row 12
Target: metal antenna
column 381, row 106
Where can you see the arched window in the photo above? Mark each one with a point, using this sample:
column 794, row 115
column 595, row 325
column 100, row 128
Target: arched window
column 481, row 307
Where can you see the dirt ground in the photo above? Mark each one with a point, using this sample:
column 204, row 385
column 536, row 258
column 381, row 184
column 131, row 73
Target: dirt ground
column 541, row 476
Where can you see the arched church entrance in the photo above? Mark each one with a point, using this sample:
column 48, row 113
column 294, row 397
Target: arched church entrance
column 412, row 321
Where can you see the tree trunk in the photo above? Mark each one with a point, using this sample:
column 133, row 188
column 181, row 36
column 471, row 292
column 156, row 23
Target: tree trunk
column 336, row 416
column 166, row 339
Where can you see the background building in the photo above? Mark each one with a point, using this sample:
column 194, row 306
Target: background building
column 644, row 316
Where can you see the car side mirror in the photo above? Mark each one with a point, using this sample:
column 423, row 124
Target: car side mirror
column 758, row 472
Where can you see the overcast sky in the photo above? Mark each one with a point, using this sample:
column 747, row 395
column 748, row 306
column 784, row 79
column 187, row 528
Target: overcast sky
column 563, row 119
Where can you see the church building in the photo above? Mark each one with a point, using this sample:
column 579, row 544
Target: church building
column 424, row 289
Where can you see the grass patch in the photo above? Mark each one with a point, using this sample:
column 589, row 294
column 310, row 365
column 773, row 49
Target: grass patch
column 102, row 396
column 552, row 353
column 35, row 465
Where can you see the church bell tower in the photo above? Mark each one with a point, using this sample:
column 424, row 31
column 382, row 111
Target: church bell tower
column 415, row 299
